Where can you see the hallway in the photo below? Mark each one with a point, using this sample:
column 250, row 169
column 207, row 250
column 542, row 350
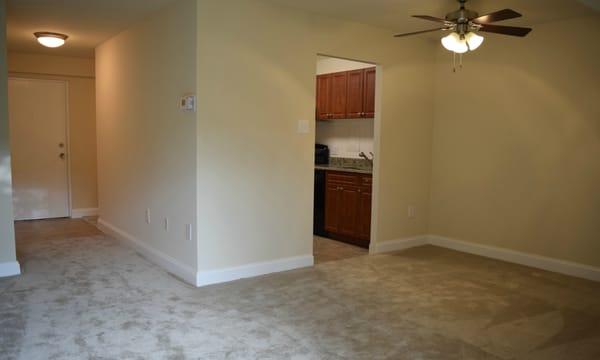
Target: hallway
column 84, row 295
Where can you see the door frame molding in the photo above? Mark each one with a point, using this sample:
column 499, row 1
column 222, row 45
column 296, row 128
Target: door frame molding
column 67, row 131
column 376, row 147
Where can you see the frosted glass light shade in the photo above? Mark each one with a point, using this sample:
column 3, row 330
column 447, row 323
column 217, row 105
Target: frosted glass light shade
column 453, row 42
column 51, row 40
column 473, row 40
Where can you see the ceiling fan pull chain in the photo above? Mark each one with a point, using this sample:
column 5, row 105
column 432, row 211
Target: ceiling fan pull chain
column 453, row 62
column 460, row 61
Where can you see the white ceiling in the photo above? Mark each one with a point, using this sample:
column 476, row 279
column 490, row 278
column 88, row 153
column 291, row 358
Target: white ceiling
column 90, row 22
column 395, row 14
column 87, row 22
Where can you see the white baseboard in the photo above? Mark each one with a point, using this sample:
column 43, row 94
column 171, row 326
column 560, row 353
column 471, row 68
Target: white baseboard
column 512, row 256
column 204, row 278
column 517, row 257
column 400, row 244
column 10, row 268
column 79, row 213
column 167, row 262
column 255, row 269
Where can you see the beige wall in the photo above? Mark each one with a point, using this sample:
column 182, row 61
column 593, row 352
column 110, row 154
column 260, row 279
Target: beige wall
column 327, row 65
column 7, row 235
column 516, row 155
column 256, row 78
column 146, row 144
column 79, row 73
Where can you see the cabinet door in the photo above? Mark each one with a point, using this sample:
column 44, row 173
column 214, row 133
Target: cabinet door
column 349, row 202
column 364, row 214
column 369, row 93
column 337, row 99
column 355, row 91
column 323, row 92
column 332, row 208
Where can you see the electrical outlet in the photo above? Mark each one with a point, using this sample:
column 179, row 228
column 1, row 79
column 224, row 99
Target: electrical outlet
column 166, row 224
column 188, row 232
column 412, row 212
column 148, row 216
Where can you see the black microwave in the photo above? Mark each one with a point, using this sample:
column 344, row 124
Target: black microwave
column 321, row 154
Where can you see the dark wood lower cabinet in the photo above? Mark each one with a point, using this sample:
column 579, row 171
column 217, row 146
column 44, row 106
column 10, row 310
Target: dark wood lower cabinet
column 348, row 207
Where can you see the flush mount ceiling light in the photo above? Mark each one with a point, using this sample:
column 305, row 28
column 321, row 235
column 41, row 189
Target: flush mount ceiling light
column 464, row 24
column 50, row 39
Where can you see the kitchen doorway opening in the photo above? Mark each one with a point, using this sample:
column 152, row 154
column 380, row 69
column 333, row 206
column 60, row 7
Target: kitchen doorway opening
column 346, row 150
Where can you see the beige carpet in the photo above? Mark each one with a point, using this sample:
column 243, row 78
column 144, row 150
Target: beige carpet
column 85, row 296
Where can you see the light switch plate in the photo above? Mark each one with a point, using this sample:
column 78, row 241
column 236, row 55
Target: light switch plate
column 188, row 232
column 303, row 127
column 412, row 212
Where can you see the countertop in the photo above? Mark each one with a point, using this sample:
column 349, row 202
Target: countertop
column 346, row 169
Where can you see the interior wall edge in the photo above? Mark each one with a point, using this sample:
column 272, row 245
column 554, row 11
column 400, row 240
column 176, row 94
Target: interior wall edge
column 10, row 268
column 156, row 256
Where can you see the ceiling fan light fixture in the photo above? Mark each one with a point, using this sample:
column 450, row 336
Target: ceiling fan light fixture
column 453, row 42
column 473, row 40
column 50, row 39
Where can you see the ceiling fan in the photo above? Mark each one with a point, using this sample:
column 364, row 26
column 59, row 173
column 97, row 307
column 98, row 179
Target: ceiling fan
column 464, row 24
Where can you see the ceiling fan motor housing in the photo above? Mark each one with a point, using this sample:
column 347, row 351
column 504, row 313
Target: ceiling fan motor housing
column 461, row 18
column 461, row 15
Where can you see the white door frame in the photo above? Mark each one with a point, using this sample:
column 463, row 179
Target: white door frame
column 67, row 132
column 376, row 147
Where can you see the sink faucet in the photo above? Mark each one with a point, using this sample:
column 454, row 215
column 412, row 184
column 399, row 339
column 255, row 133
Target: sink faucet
column 364, row 156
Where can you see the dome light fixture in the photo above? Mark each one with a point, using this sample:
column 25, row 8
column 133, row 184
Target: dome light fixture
column 473, row 40
column 460, row 44
column 50, row 39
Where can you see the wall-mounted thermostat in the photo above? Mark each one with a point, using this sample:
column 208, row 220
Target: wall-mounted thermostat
column 188, row 102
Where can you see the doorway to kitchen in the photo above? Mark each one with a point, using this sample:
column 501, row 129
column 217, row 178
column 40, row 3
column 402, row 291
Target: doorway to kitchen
column 345, row 150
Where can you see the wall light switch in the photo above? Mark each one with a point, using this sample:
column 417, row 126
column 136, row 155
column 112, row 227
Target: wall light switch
column 303, row 127
column 166, row 224
column 188, row 232
column 147, row 216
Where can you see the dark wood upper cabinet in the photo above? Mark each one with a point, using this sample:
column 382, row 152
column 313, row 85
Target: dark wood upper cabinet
column 346, row 95
column 338, row 96
column 369, row 93
column 355, row 93
column 323, row 90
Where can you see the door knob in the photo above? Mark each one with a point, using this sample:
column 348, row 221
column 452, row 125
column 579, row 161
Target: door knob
column 62, row 156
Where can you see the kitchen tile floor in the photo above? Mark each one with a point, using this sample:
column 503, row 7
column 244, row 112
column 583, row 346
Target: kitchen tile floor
column 325, row 250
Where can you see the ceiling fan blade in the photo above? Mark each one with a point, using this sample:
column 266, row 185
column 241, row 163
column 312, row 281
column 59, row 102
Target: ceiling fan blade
column 419, row 32
column 505, row 30
column 431, row 18
column 497, row 16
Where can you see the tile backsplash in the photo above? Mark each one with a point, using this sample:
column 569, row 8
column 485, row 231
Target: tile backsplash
column 346, row 138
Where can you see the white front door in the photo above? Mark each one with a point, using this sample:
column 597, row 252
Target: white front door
column 37, row 111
